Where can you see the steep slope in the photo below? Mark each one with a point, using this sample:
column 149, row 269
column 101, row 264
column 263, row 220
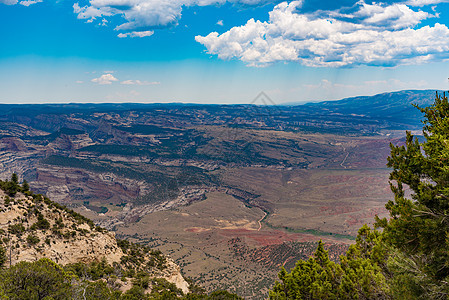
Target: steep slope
column 33, row 227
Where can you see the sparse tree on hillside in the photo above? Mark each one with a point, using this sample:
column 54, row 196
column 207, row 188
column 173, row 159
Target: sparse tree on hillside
column 12, row 186
column 25, row 186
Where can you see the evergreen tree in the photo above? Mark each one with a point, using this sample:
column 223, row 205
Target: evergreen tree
column 357, row 277
column 14, row 179
column 25, row 186
column 37, row 280
column 13, row 185
column 418, row 230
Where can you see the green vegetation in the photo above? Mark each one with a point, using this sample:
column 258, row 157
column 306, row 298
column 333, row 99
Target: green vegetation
column 32, row 239
column 357, row 276
column 53, row 136
column 418, row 229
column 409, row 258
column 45, row 279
column 39, row 280
column 12, row 186
column 125, row 150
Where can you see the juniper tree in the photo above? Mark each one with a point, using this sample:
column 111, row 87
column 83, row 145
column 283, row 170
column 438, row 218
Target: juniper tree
column 418, row 227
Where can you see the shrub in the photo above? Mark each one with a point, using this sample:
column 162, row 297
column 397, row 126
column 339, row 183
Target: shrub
column 32, row 239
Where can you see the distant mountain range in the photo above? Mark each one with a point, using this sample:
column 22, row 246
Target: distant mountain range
column 385, row 106
column 392, row 110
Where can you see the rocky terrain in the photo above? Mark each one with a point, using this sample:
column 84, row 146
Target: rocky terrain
column 168, row 175
column 33, row 227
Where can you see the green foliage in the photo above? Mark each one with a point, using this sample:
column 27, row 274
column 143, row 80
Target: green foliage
column 16, row 229
column 7, row 200
column 45, row 279
column 135, row 293
column 100, row 290
column 25, row 186
column 92, row 271
column 41, row 223
column 3, row 258
column 357, row 277
column 162, row 289
column 223, row 295
column 36, row 280
column 418, row 230
column 32, row 239
column 11, row 187
column 157, row 259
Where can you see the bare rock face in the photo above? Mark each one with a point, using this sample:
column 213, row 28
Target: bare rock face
column 172, row 273
column 66, row 185
column 33, row 227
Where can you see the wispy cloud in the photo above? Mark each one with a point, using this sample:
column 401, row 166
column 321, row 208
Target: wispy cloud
column 138, row 82
column 9, row 2
column 29, row 2
column 134, row 34
column 105, row 79
column 220, row 22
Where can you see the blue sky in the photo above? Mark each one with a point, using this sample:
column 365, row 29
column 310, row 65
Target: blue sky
column 217, row 51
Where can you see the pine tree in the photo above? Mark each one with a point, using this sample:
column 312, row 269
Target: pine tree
column 25, row 186
column 357, row 277
column 418, row 230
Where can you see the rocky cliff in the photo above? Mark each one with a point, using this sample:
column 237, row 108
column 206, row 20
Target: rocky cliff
column 33, row 227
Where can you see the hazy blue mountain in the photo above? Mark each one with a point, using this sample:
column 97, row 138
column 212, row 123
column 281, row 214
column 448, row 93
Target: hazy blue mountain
column 386, row 106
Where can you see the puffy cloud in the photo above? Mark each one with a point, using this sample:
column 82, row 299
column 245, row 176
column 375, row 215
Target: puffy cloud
column 29, row 2
column 136, row 34
column 138, row 82
column 396, row 16
column 147, row 14
column 105, row 79
column 373, row 34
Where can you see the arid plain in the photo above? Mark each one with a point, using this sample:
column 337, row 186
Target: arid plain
column 231, row 193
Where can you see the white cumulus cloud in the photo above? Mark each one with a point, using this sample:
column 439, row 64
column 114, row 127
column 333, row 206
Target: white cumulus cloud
column 105, row 79
column 374, row 34
column 147, row 14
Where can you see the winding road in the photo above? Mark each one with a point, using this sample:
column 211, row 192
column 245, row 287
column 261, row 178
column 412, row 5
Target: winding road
column 260, row 221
